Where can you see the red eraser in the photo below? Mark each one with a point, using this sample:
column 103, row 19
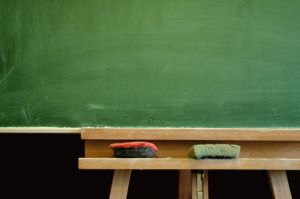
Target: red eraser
column 134, row 145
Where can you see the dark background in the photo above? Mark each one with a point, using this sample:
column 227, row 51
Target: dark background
column 45, row 166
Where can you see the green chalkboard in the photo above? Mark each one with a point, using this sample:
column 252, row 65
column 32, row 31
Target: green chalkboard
column 175, row 63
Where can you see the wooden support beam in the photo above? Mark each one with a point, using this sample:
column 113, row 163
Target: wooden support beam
column 197, row 184
column 120, row 184
column 194, row 186
column 200, row 195
column 185, row 184
column 199, row 181
column 279, row 185
column 205, row 185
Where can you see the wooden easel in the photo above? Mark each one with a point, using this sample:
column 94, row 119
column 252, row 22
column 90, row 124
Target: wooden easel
column 274, row 150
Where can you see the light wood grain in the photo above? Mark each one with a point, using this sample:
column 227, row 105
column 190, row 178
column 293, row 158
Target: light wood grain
column 199, row 195
column 40, row 130
column 199, row 182
column 205, row 185
column 224, row 134
column 279, row 185
column 185, row 184
column 120, row 184
column 189, row 164
column 178, row 149
column 194, row 186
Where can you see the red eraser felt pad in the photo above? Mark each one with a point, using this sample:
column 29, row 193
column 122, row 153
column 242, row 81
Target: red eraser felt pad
column 134, row 145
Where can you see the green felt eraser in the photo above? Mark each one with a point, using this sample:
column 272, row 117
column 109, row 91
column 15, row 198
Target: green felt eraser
column 216, row 151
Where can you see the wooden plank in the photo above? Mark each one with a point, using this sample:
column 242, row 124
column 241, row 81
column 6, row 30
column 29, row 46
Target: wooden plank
column 279, row 185
column 199, row 195
column 205, row 185
column 194, row 186
column 178, row 149
column 40, row 130
column 199, row 182
column 222, row 134
column 189, row 164
column 185, row 184
column 120, row 184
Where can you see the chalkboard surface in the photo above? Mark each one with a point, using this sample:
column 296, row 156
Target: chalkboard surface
column 177, row 63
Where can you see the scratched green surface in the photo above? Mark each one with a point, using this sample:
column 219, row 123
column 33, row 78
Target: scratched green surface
column 176, row 63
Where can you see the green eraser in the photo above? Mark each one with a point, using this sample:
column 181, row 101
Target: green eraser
column 203, row 151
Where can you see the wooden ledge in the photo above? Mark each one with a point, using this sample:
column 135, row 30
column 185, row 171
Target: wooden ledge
column 189, row 164
column 214, row 134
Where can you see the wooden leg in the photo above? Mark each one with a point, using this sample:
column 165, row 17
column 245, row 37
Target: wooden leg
column 194, row 186
column 185, row 184
column 197, row 185
column 120, row 184
column 205, row 185
column 279, row 185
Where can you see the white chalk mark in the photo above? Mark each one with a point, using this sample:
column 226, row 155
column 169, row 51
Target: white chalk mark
column 46, row 96
column 95, row 107
column 6, row 75
column 293, row 112
column 25, row 115
column 2, row 115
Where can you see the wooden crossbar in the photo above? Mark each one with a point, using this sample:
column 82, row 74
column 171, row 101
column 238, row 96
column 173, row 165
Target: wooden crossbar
column 189, row 164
